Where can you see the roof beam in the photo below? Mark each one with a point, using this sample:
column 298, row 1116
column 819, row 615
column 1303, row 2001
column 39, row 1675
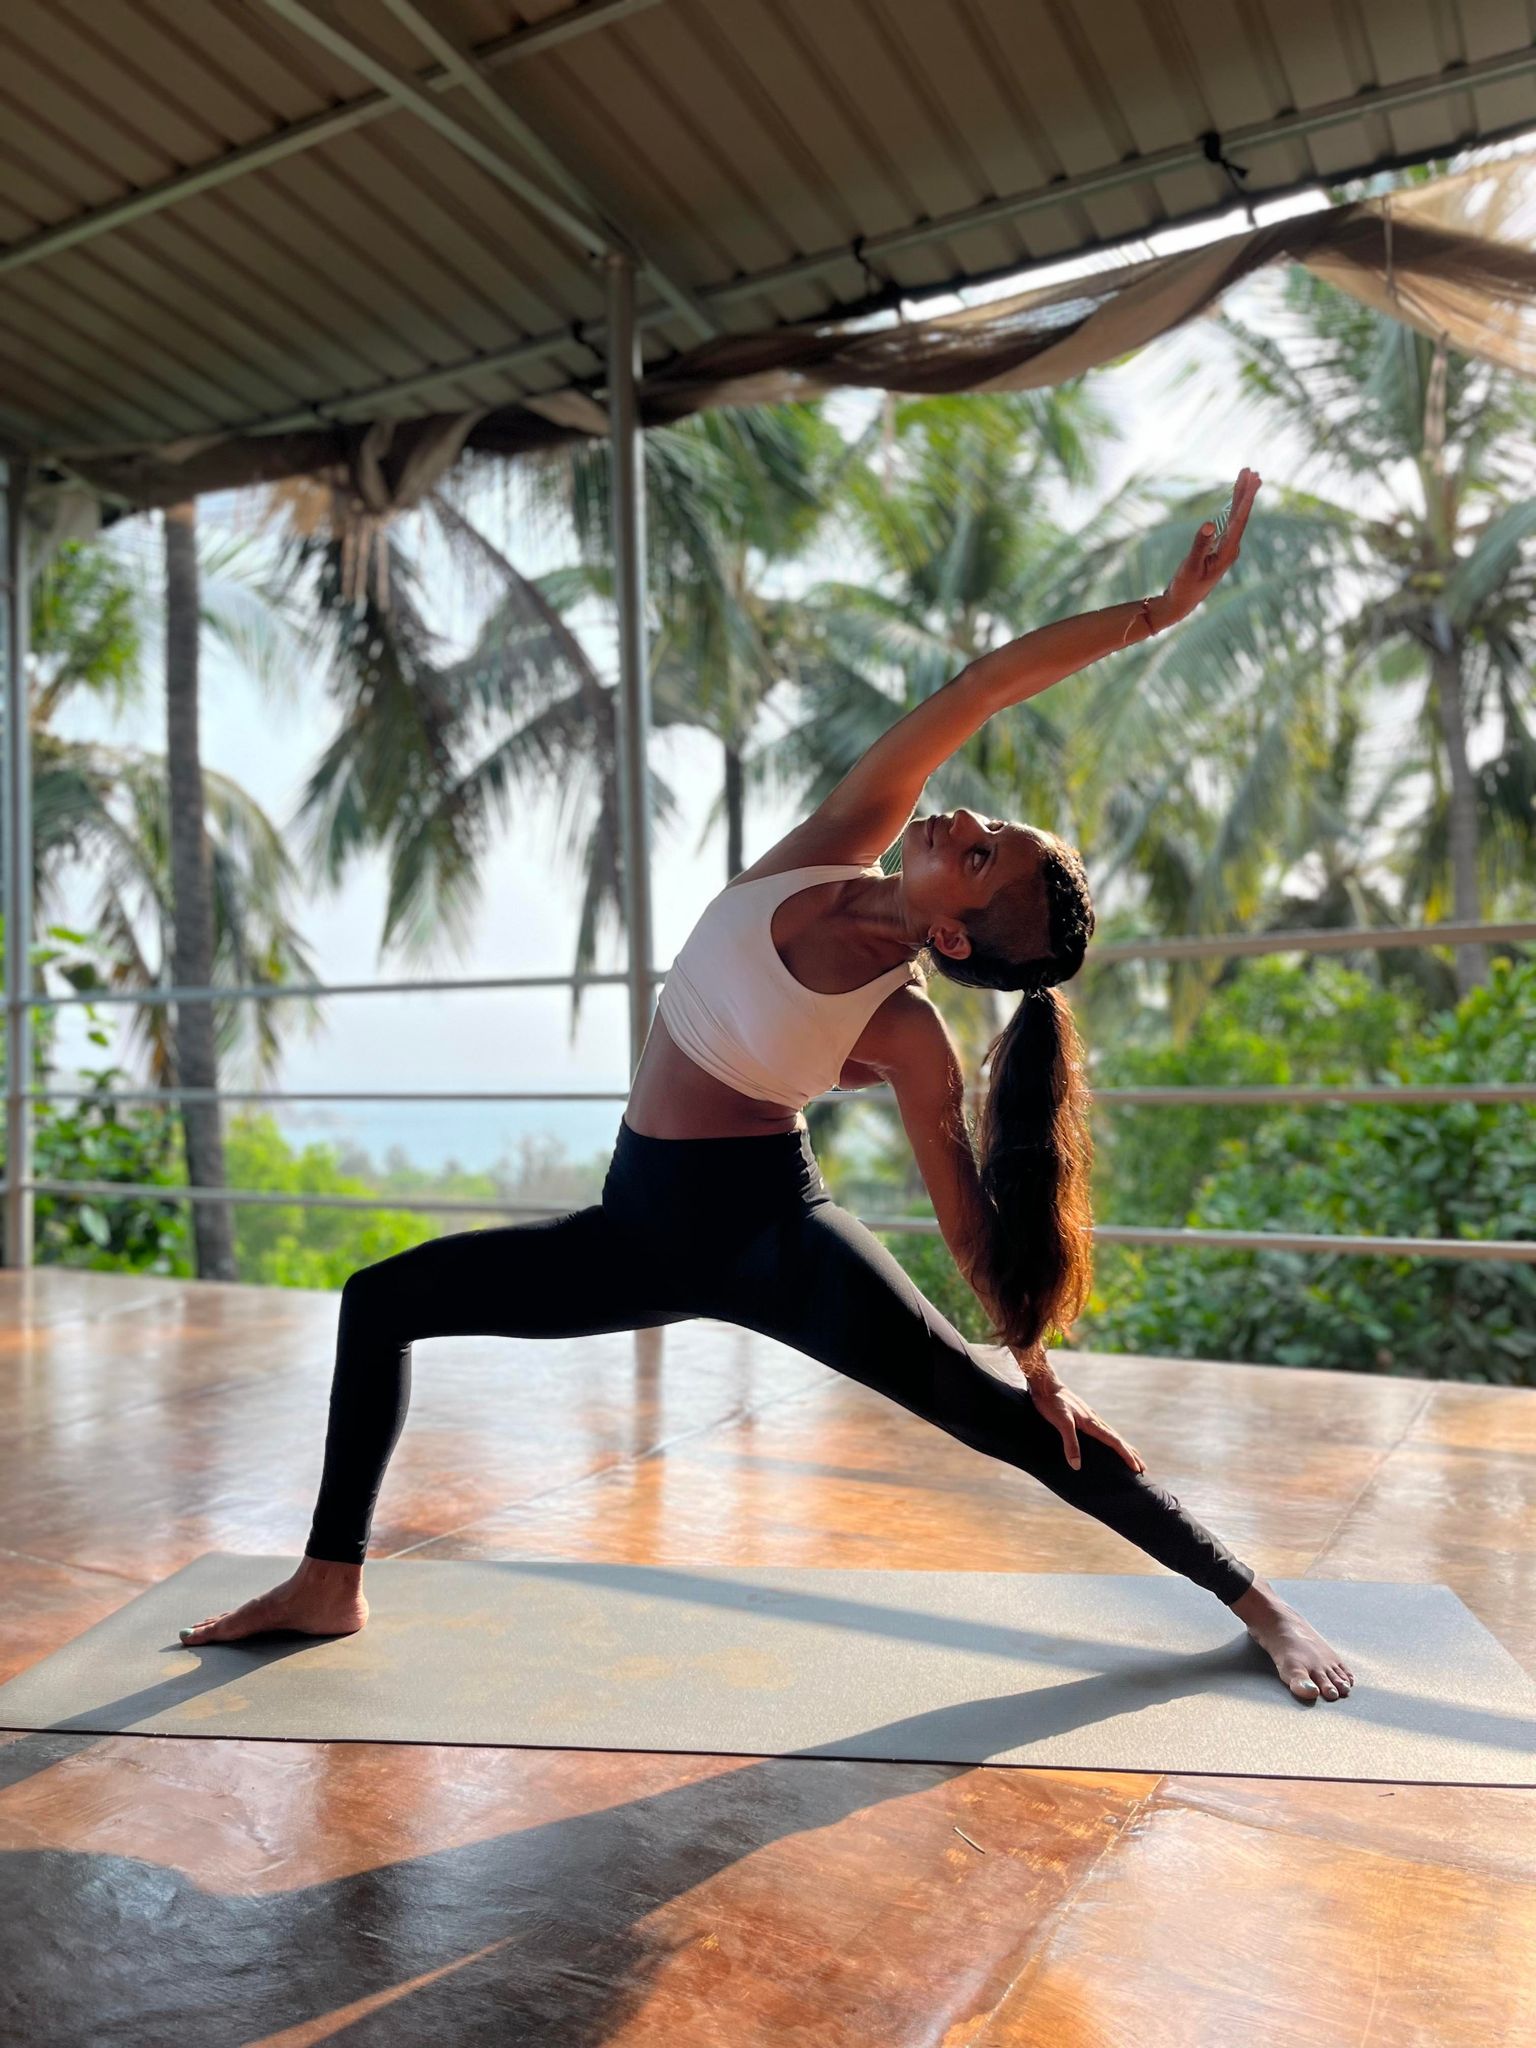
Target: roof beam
column 307, row 134
column 460, row 64
column 1384, row 99
column 589, row 233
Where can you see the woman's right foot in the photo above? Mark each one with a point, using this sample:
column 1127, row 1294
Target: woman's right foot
column 321, row 1599
column 1307, row 1663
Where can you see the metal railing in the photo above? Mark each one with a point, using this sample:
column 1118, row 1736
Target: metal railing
column 1359, row 940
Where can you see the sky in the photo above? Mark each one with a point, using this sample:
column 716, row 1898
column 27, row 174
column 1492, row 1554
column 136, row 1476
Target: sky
column 519, row 1039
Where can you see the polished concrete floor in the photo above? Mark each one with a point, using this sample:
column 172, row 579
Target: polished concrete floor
column 201, row 1894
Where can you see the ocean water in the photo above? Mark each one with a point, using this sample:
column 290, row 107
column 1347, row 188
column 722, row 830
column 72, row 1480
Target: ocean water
column 475, row 1136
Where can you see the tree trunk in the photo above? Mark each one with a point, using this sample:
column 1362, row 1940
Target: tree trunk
column 1471, row 961
column 195, row 1059
column 735, row 809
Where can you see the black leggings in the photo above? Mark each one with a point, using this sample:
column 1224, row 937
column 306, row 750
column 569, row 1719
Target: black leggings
column 741, row 1230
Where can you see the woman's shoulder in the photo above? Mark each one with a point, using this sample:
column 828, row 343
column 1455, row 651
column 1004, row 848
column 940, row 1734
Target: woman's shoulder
column 906, row 1031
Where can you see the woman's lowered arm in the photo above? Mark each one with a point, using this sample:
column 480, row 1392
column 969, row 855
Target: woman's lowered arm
column 922, row 1063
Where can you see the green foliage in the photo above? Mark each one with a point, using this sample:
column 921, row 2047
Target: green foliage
column 89, row 1138
column 1458, row 1171
column 281, row 1246
column 1464, row 1170
column 276, row 1244
column 85, row 628
column 1267, row 1026
column 92, row 1139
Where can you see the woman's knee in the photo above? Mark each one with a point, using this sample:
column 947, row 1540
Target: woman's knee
column 368, row 1294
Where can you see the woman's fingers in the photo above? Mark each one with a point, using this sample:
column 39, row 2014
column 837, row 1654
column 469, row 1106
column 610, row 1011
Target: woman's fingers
column 1212, row 557
column 1243, row 494
column 1072, row 1417
column 1116, row 1442
column 1209, row 559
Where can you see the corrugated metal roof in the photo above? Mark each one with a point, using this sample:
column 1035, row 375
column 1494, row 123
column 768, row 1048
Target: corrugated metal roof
column 262, row 213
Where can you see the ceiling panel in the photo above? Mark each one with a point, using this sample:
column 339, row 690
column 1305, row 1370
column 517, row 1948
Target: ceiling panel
column 217, row 220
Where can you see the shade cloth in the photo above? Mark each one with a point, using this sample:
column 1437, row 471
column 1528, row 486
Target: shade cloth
column 1454, row 257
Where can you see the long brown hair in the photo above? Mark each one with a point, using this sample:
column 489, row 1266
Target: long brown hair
column 1034, row 1147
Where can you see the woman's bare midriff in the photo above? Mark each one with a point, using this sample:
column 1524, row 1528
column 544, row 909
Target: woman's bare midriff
column 672, row 1097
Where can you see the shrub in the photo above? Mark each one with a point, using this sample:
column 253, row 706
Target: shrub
column 1458, row 1171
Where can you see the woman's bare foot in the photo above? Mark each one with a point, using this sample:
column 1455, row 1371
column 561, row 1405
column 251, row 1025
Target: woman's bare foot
column 1306, row 1661
column 321, row 1599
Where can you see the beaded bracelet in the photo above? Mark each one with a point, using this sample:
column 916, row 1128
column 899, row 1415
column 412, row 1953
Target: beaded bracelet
column 1145, row 609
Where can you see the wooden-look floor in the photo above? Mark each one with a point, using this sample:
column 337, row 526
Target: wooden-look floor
column 200, row 1894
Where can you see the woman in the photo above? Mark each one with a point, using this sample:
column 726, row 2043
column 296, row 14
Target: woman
column 798, row 976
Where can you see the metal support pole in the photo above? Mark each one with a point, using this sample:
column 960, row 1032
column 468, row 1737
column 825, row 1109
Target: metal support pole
column 18, row 874
column 634, row 705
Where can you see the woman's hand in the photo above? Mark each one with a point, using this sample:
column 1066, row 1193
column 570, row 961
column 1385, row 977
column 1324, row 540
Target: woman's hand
column 1069, row 1413
column 1208, row 559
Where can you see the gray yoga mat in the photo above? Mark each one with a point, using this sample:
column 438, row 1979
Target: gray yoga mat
column 1079, row 1671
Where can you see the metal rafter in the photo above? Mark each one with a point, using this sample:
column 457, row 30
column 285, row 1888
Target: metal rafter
column 1481, row 1250
column 308, row 134
column 462, row 66
column 583, row 229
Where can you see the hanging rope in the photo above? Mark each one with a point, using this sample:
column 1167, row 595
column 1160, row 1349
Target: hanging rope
column 1210, row 142
column 885, row 290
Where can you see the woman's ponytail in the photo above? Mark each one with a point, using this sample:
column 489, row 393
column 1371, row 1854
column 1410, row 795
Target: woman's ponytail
column 1034, row 1148
column 1034, row 1155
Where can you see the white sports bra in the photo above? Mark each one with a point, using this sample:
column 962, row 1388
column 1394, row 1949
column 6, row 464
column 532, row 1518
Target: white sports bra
column 735, row 1009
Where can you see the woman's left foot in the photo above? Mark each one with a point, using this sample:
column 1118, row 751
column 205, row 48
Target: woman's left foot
column 1308, row 1663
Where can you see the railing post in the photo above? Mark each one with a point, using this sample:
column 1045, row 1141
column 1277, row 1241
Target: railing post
column 18, row 872
column 634, row 705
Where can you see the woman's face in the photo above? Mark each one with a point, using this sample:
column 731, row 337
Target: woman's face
column 954, row 862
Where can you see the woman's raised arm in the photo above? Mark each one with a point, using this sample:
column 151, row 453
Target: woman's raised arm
column 873, row 801
column 1024, row 667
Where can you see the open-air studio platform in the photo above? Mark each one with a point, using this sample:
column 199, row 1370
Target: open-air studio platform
column 265, row 1892
column 342, row 245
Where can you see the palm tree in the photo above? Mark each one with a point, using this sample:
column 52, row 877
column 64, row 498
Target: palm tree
column 122, row 814
column 1406, row 571
column 732, row 498
column 196, row 1064
column 1451, row 583
column 950, row 498
column 431, row 750
column 1320, row 863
